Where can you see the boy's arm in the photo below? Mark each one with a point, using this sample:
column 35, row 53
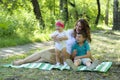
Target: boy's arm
column 88, row 55
column 74, row 54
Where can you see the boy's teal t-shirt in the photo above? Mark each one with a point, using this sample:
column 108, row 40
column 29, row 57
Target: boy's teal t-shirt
column 81, row 50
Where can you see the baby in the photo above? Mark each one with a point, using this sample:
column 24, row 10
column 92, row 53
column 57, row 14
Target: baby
column 60, row 37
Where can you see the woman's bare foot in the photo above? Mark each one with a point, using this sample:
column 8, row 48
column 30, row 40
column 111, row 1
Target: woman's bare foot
column 18, row 62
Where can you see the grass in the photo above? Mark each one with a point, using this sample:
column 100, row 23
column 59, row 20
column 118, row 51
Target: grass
column 104, row 46
column 17, row 40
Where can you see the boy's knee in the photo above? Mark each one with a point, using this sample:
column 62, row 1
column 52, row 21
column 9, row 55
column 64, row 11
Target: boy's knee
column 87, row 63
column 77, row 62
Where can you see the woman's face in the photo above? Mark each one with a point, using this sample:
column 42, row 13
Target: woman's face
column 78, row 27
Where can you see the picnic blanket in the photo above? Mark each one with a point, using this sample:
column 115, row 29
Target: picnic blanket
column 102, row 67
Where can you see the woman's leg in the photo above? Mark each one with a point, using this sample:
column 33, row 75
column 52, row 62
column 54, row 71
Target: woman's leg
column 34, row 57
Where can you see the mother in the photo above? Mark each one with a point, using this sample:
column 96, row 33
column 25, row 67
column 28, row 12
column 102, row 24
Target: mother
column 48, row 55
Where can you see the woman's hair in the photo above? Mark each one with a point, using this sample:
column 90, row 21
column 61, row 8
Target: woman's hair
column 85, row 28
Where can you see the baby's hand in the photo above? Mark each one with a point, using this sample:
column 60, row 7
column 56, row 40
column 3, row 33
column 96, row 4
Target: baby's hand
column 56, row 38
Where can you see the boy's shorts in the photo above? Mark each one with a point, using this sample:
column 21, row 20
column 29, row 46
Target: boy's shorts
column 84, row 60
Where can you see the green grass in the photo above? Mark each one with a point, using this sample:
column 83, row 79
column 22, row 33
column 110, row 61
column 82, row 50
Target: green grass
column 17, row 40
column 104, row 46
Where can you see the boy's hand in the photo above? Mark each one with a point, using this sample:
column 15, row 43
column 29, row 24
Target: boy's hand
column 77, row 57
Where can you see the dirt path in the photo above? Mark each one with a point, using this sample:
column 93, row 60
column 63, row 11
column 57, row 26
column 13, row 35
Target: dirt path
column 4, row 52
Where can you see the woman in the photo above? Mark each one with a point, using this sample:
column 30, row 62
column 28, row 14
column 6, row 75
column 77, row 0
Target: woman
column 49, row 54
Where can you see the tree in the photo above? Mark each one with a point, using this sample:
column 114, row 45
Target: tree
column 54, row 6
column 116, row 16
column 37, row 12
column 61, row 8
column 74, row 6
column 98, row 15
column 64, row 10
column 107, row 12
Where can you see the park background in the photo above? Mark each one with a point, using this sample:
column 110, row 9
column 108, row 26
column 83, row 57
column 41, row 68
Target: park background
column 24, row 22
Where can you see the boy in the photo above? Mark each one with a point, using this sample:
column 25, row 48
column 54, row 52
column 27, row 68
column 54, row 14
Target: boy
column 81, row 53
column 60, row 37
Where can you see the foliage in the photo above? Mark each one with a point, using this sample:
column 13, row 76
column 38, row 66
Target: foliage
column 17, row 19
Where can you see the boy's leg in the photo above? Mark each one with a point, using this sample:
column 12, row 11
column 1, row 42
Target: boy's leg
column 57, row 53
column 90, row 65
column 93, row 65
column 77, row 62
column 71, row 64
column 86, row 61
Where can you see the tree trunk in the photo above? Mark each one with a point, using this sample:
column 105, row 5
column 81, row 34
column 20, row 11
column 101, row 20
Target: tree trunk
column 76, row 12
column 116, row 16
column 37, row 12
column 73, row 4
column 107, row 13
column 54, row 7
column 61, row 7
column 65, row 10
column 98, row 15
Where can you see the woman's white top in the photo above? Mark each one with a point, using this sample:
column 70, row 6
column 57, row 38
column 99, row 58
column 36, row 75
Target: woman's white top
column 71, row 40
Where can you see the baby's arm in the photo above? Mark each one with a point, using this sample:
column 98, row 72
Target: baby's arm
column 54, row 36
column 63, row 38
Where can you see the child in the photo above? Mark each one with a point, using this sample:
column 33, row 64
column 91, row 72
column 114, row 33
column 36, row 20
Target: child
column 59, row 36
column 81, row 53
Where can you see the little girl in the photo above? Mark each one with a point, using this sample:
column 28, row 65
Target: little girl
column 60, row 37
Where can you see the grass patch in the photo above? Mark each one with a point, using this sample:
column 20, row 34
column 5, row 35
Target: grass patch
column 17, row 40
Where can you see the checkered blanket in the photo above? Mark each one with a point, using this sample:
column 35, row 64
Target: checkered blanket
column 103, row 67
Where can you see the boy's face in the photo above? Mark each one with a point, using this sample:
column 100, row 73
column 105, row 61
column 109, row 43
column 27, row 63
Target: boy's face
column 80, row 38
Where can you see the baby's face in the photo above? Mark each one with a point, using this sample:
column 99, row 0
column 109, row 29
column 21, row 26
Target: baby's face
column 59, row 28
